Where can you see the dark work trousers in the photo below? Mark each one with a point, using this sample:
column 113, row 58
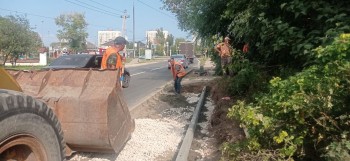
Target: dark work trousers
column 177, row 84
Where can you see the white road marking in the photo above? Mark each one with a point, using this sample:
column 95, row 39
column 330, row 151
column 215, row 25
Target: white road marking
column 145, row 71
column 156, row 69
column 137, row 73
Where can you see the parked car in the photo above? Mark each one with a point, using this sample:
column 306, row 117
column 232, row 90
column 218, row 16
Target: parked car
column 83, row 61
column 179, row 58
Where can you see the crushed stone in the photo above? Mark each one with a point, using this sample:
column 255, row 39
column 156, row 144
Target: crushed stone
column 152, row 138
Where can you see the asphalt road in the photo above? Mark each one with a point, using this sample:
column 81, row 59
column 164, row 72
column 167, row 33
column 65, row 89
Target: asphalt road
column 145, row 79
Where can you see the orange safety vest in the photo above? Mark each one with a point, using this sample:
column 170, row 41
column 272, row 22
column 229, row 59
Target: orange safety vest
column 110, row 51
column 225, row 49
column 180, row 73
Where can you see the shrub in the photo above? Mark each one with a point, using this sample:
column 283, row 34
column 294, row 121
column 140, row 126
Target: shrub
column 306, row 115
column 246, row 76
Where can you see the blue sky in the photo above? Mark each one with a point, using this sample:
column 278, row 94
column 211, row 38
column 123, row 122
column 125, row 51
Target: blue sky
column 99, row 14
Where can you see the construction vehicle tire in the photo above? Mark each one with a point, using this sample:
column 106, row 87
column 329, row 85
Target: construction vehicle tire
column 29, row 130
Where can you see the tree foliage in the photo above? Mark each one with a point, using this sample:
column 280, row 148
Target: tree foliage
column 73, row 31
column 284, row 32
column 160, row 42
column 203, row 17
column 17, row 38
column 279, row 32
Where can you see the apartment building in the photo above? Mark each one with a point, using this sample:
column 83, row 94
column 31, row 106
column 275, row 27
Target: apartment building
column 106, row 36
column 151, row 36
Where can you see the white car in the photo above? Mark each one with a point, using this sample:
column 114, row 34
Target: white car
column 179, row 58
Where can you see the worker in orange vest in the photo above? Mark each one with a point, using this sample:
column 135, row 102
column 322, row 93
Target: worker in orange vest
column 178, row 72
column 111, row 58
column 225, row 52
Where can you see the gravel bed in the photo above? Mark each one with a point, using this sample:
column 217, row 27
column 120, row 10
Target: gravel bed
column 204, row 146
column 151, row 139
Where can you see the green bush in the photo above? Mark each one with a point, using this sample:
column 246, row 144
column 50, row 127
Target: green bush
column 338, row 150
column 305, row 116
column 246, row 76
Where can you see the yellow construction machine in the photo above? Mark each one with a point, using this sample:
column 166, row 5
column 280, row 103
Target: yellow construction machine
column 47, row 115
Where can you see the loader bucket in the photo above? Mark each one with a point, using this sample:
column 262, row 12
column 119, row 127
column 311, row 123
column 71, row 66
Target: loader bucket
column 88, row 103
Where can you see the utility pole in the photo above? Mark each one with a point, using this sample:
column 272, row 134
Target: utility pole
column 133, row 26
column 124, row 17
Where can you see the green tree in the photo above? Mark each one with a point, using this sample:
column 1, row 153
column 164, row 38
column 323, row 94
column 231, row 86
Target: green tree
column 279, row 33
column 17, row 38
column 73, row 31
column 204, row 17
column 160, row 42
column 170, row 41
column 285, row 32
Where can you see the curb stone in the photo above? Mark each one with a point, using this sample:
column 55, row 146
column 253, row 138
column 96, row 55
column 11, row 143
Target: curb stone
column 182, row 155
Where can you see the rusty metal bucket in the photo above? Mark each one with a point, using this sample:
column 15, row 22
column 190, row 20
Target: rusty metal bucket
column 88, row 103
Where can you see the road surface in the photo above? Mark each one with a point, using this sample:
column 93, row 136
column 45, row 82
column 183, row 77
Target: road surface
column 146, row 79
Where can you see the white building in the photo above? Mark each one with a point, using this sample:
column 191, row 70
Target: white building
column 151, row 36
column 106, row 36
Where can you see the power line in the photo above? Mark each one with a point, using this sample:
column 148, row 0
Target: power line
column 27, row 13
column 44, row 16
column 105, row 6
column 156, row 10
column 100, row 10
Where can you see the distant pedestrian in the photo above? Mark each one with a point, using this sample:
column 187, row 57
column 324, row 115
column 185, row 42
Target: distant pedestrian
column 225, row 52
column 178, row 72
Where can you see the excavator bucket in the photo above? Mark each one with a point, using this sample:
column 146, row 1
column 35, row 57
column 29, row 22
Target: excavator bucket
column 89, row 104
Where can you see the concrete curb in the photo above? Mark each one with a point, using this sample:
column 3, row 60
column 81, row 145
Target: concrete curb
column 182, row 155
